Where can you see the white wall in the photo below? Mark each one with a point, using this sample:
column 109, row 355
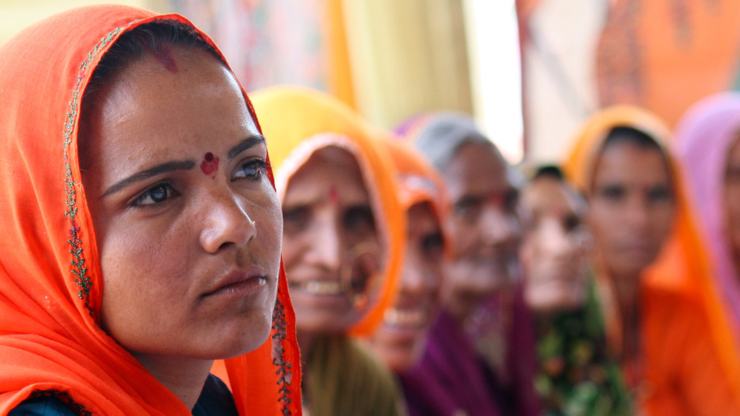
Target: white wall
column 495, row 72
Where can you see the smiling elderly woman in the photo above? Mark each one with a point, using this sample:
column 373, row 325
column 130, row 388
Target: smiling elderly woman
column 141, row 230
column 342, row 244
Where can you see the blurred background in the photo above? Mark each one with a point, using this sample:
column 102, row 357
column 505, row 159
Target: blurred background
column 530, row 71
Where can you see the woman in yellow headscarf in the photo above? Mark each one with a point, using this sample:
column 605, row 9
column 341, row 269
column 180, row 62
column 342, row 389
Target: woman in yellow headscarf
column 343, row 243
column 652, row 274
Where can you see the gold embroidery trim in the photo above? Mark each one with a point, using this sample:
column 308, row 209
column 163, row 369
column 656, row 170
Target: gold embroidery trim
column 78, row 264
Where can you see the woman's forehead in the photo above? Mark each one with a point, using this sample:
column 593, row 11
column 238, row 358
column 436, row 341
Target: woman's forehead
column 476, row 168
column 330, row 169
column 550, row 197
column 335, row 155
column 631, row 163
column 148, row 113
column 146, row 89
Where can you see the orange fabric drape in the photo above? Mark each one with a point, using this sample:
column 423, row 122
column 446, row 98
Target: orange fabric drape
column 417, row 181
column 648, row 48
column 691, row 362
column 339, row 75
column 298, row 122
column 413, row 170
column 50, row 277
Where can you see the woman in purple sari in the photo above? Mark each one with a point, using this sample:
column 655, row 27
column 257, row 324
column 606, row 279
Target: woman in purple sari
column 479, row 358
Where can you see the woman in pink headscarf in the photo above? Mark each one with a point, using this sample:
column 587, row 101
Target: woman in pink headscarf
column 708, row 145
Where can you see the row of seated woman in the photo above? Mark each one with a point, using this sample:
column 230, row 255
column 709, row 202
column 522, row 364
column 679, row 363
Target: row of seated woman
column 174, row 245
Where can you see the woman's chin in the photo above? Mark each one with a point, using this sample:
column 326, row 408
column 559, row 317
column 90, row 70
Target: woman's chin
column 229, row 344
column 400, row 358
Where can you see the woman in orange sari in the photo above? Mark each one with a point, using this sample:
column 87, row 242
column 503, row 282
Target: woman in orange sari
column 401, row 338
column 650, row 268
column 343, row 243
column 141, row 229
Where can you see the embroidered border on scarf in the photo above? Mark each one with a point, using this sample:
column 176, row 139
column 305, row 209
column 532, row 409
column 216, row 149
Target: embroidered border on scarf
column 283, row 371
column 78, row 264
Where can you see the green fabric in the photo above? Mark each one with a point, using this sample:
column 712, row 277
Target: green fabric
column 576, row 377
column 342, row 378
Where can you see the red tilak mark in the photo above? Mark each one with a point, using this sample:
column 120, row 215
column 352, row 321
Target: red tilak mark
column 497, row 199
column 163, row 55
column 333, row 195
column 209, row 164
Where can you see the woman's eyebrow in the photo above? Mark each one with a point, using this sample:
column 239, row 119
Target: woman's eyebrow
column 148, row 173
column 245, row 144
column 174, row 165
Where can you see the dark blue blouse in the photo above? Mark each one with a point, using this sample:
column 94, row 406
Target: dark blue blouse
column 214, row 400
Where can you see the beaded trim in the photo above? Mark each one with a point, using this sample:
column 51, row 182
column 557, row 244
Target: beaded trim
column 78, row 264
column 283, row 369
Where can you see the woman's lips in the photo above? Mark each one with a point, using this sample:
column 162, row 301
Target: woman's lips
column 323, row 287
column 406, row 318
column 237, row 283
column 319, row 294
column 320, row 287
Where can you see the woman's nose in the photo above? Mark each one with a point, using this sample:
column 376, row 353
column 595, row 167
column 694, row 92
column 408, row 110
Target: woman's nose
column 228, row 223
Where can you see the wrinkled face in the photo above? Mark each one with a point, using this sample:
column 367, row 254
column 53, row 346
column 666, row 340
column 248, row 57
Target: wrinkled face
column 732, row 199
column 332, row 249
column 187, row 223
column 400, row 339
column 555, row 245
column 483, row 224
column 632, row 207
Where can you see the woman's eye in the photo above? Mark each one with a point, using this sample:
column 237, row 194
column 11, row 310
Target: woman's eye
column 613, row 193
column 571, row 222
column 155, row 195
column 296, row 219
column 511, row 199
column 359, row 218
column 468, row 207
column 252, row 170
column 432, row 245
column 660, row 194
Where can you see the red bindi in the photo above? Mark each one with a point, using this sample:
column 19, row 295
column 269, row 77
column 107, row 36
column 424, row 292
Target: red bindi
column 334, row 195
column 164, row 56
column 209, row 165
column 497, row 199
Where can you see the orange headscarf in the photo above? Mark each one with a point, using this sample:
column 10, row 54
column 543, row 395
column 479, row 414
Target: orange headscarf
column 299, row 122
column 681, row 274
column 50, row 276
column 417, row 181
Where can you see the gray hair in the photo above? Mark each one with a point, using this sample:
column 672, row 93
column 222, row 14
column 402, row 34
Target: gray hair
column 440, row 139
column 445, row 133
